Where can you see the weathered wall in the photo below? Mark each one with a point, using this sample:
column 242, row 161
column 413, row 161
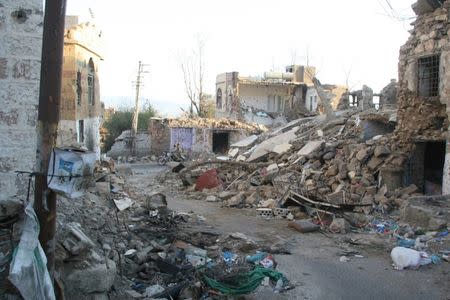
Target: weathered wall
column 121, row 146
column 423, row 118
column 20, row 56
column 311, row 99
column 388, row 95
column 159, row 135
column 81, row 45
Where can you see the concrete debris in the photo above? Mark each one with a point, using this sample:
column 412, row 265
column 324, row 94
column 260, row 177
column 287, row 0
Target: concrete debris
column 122, row 204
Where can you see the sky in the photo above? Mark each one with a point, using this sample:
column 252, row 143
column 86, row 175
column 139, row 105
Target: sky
column 354, row 39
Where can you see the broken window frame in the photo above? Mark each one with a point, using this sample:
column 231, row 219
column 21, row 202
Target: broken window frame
column 428, row 76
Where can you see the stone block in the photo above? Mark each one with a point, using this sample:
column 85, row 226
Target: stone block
column 425, row 214
column 339, row 225
column 381, row 151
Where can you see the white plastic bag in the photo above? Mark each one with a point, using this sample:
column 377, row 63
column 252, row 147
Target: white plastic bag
column 408, row 258
column 28, row 271
column 70, row 171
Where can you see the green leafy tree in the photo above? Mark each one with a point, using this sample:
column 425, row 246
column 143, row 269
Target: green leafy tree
column 121, row 121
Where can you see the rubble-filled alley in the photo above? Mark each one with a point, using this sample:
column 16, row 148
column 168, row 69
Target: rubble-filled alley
column 277, row 186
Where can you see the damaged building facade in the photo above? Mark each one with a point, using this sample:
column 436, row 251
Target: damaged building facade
column 265, row 100
column 20, row 64
column 81, row 109
column 197, row 135
column 423, row 98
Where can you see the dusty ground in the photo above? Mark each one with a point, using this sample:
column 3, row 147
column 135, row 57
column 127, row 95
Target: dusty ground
column 314, row 263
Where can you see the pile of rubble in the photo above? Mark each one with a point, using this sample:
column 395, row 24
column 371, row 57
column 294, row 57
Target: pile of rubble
column 114, row 243
column 329, row 170
column 216, row 123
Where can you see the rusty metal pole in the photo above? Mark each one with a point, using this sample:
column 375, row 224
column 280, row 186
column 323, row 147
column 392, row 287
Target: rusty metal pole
column 47, row 126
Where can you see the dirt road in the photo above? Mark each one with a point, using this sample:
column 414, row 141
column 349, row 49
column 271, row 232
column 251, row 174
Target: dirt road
column 314, row 263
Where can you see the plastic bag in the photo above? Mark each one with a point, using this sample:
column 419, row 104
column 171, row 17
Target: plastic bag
column 28, row 271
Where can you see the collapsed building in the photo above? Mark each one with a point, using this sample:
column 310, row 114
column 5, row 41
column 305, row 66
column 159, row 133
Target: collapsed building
column 270, row 99
column 198, row 135
column 81, row 110
column 423, row 96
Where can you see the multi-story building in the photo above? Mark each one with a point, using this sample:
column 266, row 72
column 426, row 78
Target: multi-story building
column 81, row 109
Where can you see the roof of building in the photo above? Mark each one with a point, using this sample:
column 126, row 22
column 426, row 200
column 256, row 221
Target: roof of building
column 212, row 123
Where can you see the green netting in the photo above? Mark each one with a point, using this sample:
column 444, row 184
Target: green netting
column 243, row 283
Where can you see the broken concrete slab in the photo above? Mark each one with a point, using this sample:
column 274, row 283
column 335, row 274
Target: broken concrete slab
column 247, row 142
column 233, row 152
column 279, row 149
column 427, row 212
column 268, row 145
column 123, row 203
column 310, row 147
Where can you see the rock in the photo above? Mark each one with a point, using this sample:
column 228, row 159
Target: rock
column 155, row 201
column 282, row 148
column 303, row 226
column 336, row 197
column 141, row 256
column 339, row 225
column 429, row 215
column 269, row 203
column 235, row 200
column 123, row 203
column 374, row 163
column 381, row 151
column 328, row 155
column 362, row 154
column 153, row 290
column 332, row 171
column 95, row 277
column 212, row 198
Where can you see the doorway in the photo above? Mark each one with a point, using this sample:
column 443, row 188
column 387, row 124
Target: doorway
column 221, row 142
column 428, row 167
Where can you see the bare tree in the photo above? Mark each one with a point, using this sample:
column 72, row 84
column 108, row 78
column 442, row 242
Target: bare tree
column 192, row 67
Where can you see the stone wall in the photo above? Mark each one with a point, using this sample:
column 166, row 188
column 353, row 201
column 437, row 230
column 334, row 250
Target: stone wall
column 81, row 44
column 159, row 135
column 425, row 118
column 21, row 24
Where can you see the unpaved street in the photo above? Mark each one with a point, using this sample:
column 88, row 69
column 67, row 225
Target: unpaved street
column 314, row 263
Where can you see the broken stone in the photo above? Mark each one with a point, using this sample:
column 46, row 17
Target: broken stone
column 429, row 215
column 212, row 198
column 339, row 225
column 303, row 226
column 332, row 171
column 153, row 290
column 235, row 200
column 328, row 155
column 155, row 201
column 381, row 151
column 374, row 163
column 269, row 203
column 362, row 154
column 10, row 207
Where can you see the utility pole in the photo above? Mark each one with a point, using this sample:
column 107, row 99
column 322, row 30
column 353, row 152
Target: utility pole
column 134, row 123
column 47, row 125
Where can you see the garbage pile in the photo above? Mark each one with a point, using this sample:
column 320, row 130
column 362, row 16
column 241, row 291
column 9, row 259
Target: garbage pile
column 114, row 242
column 333, row 171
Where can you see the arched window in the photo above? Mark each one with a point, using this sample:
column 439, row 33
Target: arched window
column 91, row 82
column 219, row 99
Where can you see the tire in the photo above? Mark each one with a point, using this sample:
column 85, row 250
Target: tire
column 162, row 160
